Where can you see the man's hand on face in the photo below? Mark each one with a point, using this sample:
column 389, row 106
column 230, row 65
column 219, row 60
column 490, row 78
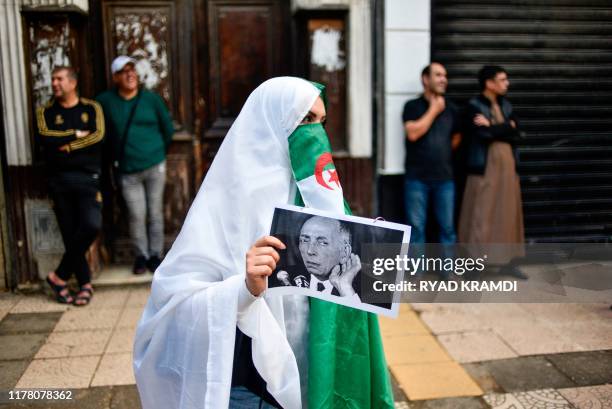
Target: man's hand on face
column 261, row 261
column 342, row 275
column 437, row 104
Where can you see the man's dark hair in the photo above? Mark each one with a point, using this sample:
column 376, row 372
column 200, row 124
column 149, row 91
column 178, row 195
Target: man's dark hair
column 71, row 72
column 427, row 70
column 488, row 72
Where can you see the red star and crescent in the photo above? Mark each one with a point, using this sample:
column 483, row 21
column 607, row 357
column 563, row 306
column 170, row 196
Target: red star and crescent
column 333, row 177
column 324, row 160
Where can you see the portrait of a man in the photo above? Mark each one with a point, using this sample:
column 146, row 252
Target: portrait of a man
column 331, row 267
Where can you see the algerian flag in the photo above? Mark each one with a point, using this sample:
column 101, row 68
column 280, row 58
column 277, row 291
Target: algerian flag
column 347, row 367
column 314, row 170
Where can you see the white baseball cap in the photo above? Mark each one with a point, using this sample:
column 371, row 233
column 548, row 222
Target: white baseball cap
column 120, row 62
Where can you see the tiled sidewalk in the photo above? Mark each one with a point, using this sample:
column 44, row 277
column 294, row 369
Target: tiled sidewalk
column 48, row 345
column 455, row 356
column 517, row 356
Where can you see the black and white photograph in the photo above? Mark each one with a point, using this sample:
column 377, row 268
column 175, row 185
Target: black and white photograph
column 330, row 256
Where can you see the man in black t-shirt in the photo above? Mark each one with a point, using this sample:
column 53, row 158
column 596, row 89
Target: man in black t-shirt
column 431, row 125
column 71, row 130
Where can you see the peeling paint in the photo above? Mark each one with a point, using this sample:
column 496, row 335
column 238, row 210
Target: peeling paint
column 326, row 49
column 50, row 47
column 144, row 37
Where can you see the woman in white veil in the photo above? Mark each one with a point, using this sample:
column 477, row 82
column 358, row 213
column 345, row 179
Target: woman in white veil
column 184, row 346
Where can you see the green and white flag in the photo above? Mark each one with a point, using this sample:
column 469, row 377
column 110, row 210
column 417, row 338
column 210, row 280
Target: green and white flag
column 314, row 170
column 347, row 367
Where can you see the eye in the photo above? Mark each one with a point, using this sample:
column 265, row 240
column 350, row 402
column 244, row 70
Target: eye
column 304, row 239
column 307, row 119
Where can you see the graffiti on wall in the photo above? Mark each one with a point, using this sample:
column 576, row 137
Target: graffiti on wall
column 50, row 46
column 143, row 35
column 326, row 49
column 327, row 64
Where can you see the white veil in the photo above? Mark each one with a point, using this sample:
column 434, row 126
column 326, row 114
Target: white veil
column 183, row 352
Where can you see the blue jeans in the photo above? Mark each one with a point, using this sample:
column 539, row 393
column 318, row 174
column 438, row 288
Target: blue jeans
column 242, row 398
column 417, row 194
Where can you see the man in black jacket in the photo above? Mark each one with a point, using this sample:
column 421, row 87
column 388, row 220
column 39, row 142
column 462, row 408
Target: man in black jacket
column 491, row 212
column 71, row 129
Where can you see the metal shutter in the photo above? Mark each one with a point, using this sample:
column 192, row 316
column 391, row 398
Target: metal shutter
column 558, row 54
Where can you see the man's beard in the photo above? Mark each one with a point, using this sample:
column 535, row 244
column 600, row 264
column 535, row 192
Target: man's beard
column 435, row 92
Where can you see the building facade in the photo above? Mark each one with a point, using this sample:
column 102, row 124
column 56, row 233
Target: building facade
column 205, row 56
column 558, row 55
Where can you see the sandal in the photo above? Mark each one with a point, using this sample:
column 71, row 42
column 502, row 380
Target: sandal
column 82, row 300
column 58, row 289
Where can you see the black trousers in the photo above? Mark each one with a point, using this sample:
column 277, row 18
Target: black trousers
column 78, row 208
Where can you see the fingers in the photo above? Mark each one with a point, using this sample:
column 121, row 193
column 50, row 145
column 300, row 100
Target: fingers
column 260, row 271
column 270, row 241
column 356, row 261
column 335, row 273
column 267, row 251
column 262, row 261
column 481, row 120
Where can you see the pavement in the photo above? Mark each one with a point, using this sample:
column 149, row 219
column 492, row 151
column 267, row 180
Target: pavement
column 502, row 356
column 514, row 356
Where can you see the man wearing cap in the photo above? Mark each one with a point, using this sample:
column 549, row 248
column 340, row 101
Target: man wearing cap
column 140, row 130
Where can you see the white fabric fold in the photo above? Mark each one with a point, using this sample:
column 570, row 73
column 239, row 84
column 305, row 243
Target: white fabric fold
column 184, row 345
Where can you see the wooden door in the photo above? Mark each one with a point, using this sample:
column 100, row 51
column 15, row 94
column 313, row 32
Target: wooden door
column 246, row 43
column 155, row 33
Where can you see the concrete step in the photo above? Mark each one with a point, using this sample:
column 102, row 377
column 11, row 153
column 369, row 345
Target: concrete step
column 120, row 275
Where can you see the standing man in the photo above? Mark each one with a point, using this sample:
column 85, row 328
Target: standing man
column 71, row 130
column 431, row 124
column 492, row 212
column 141, row 131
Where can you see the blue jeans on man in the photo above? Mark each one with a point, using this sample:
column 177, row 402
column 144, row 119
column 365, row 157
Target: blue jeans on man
column 417, row 194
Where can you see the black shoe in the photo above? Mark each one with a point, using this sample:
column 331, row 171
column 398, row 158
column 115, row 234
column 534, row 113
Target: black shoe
column 140, row 265
column 152, row 263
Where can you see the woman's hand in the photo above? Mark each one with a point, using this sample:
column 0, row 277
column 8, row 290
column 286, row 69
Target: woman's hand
column 261, row 261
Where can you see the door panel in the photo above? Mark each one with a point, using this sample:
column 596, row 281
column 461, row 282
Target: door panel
column 147, row 34
column 327, row 64
column 152, row 32
column 246, row 43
